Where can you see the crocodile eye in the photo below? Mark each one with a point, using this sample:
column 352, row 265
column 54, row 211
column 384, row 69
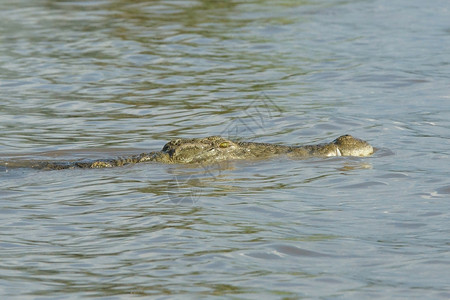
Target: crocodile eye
column 224, row 145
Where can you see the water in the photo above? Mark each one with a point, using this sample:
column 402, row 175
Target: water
column 101, row 78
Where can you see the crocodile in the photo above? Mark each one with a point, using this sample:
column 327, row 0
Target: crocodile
column 214, row 149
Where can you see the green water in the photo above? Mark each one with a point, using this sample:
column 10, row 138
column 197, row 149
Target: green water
column 91, row 79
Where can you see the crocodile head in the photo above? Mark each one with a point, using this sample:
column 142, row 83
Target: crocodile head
column 216, row 148
column 200, row 150
column 348, row 145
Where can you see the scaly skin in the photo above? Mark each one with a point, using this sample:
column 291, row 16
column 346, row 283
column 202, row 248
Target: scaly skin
column 214, row 149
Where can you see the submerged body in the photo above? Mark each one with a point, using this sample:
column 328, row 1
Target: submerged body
column 215, row 148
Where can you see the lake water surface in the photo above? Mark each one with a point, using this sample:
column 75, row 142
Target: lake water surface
column 101, row 78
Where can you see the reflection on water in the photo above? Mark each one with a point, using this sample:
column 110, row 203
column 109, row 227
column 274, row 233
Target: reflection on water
column 108, row 78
